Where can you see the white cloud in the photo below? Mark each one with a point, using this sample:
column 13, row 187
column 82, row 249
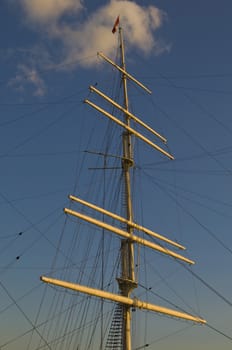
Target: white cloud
column 81, row 39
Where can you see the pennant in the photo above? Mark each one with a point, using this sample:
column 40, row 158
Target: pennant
column 115, row 25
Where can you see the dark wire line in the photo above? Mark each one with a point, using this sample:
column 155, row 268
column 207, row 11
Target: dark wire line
column 20, row 298
column 45, row 107
column 10, row 243
column 35, row 134
column 40, row 324
column 195, row 201
column 11, row 235
column 218, row 331
column 166, row 300
column 170, row 335
column 197, row 89
column 210, row 154
column 206, row 284
column 191, row 171
column 47, row 154
column 24, row 314
column 33, row 225
column 212, row 234
column 195, row 76
column 53, row 67
column 200, row 195
column 41, row 195
column 201, row 107
column 48, row 103
column 217, row 152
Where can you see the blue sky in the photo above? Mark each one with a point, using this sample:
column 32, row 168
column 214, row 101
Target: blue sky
column 182, row 51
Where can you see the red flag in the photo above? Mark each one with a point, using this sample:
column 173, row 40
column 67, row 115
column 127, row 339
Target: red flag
column 115, row 25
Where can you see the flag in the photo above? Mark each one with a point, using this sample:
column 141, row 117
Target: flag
column 115, row 25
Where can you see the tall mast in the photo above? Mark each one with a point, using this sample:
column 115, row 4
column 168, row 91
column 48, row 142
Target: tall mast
column 127, row 280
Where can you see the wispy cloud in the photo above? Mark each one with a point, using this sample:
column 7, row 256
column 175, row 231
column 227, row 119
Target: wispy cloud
column 28, row 76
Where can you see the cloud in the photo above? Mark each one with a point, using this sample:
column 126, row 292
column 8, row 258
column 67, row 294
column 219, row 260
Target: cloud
column 28, row 76
column 45, row 11
column 63, row 23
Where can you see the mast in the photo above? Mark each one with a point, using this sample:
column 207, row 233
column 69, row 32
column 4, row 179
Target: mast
column 127, row 280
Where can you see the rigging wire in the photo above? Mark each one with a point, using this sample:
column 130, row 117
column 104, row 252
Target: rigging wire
column 24, row 314
column 53, row 67
column 174, row 305
column 69, row 260
column 193, row 171
column 210, row 287
column 199, row 195
column 210, row 154
column 33, row 225
column 36, row 133
column 218, row 331
column 169, row 335
column 44, row 154
column 206, row 112
column 61, row 100
column 200, row 107
column 197, row 89
column 11, row 242
column 54, row 340
column 29, row 197
column 217, row 152
column 206, row 284
column 206, row 229
column 188, row 76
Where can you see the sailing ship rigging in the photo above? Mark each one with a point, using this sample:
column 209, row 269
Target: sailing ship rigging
column 96, row 135
column 125, row 225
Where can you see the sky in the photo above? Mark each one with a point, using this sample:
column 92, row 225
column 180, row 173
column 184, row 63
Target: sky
column 182, row 51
